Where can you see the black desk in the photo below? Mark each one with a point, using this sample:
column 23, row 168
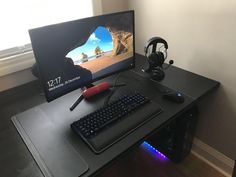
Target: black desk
column 193, row 86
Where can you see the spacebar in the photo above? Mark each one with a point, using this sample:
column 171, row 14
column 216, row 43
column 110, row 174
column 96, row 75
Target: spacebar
column 122, row 128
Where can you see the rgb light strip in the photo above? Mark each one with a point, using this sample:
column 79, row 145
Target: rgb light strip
column 154, row 151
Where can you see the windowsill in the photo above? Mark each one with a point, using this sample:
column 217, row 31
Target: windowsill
column 16, row 63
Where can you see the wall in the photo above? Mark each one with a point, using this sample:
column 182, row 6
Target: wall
column 15, row 79
column 15, row 70
column 109, row 6
column 201, row 37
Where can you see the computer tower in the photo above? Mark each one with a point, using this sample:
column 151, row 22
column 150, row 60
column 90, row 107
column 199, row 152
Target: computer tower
column 175, row 139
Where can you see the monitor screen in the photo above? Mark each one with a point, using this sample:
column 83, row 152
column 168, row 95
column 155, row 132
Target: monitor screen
column 74, row 54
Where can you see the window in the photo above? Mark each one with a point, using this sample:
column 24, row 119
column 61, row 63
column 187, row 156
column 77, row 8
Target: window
column 16, row 17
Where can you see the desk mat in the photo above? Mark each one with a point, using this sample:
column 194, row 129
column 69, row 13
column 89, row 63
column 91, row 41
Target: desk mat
column 54, row 155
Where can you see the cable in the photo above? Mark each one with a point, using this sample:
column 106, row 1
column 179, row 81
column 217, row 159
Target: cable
column 113, row 90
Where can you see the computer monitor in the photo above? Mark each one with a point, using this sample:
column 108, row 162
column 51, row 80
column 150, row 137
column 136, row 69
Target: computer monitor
column 74, row 54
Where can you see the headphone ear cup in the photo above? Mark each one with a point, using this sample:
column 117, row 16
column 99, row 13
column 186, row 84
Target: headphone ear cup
column 152, row 58
column 160, row 58
column 156, row 59
column 158, row 74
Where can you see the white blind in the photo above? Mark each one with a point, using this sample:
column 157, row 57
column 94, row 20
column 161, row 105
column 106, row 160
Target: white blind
column 17, row 16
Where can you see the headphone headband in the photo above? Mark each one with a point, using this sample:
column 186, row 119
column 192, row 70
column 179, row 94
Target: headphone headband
column 154, row 41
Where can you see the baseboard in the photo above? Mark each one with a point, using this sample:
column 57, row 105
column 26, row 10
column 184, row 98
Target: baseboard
column 214, row 158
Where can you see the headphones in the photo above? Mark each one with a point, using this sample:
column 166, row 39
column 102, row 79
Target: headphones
column 156, row 58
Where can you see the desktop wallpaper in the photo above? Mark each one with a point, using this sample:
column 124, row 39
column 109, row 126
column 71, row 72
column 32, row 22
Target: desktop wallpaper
column 73, row 54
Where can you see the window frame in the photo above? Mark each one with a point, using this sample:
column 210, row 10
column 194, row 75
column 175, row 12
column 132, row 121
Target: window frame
column 4, row 54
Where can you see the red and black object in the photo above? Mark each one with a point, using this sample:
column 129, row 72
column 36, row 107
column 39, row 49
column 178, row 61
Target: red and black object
column 89, row 92
column 101, row 87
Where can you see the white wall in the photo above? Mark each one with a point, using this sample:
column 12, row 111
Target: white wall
column 110, row 6
column 202, row 39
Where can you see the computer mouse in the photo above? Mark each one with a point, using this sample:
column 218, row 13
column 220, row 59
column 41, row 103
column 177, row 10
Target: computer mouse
column 176, row 97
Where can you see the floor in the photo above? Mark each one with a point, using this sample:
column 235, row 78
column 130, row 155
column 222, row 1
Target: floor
column 143, row 162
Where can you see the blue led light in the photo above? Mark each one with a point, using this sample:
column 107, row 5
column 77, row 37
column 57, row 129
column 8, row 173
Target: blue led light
column 154, row 151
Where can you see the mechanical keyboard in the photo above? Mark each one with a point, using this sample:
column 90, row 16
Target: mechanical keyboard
column 103, row 119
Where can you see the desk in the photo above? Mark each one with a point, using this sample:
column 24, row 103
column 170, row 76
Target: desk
column 193, row 86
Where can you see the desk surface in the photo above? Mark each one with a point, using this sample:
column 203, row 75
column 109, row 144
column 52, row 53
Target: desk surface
column 193, row 86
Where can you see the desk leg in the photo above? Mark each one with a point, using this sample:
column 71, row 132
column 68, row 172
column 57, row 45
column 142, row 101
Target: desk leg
column 175, row 139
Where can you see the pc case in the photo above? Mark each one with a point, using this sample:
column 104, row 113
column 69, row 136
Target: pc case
column 175, row 139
